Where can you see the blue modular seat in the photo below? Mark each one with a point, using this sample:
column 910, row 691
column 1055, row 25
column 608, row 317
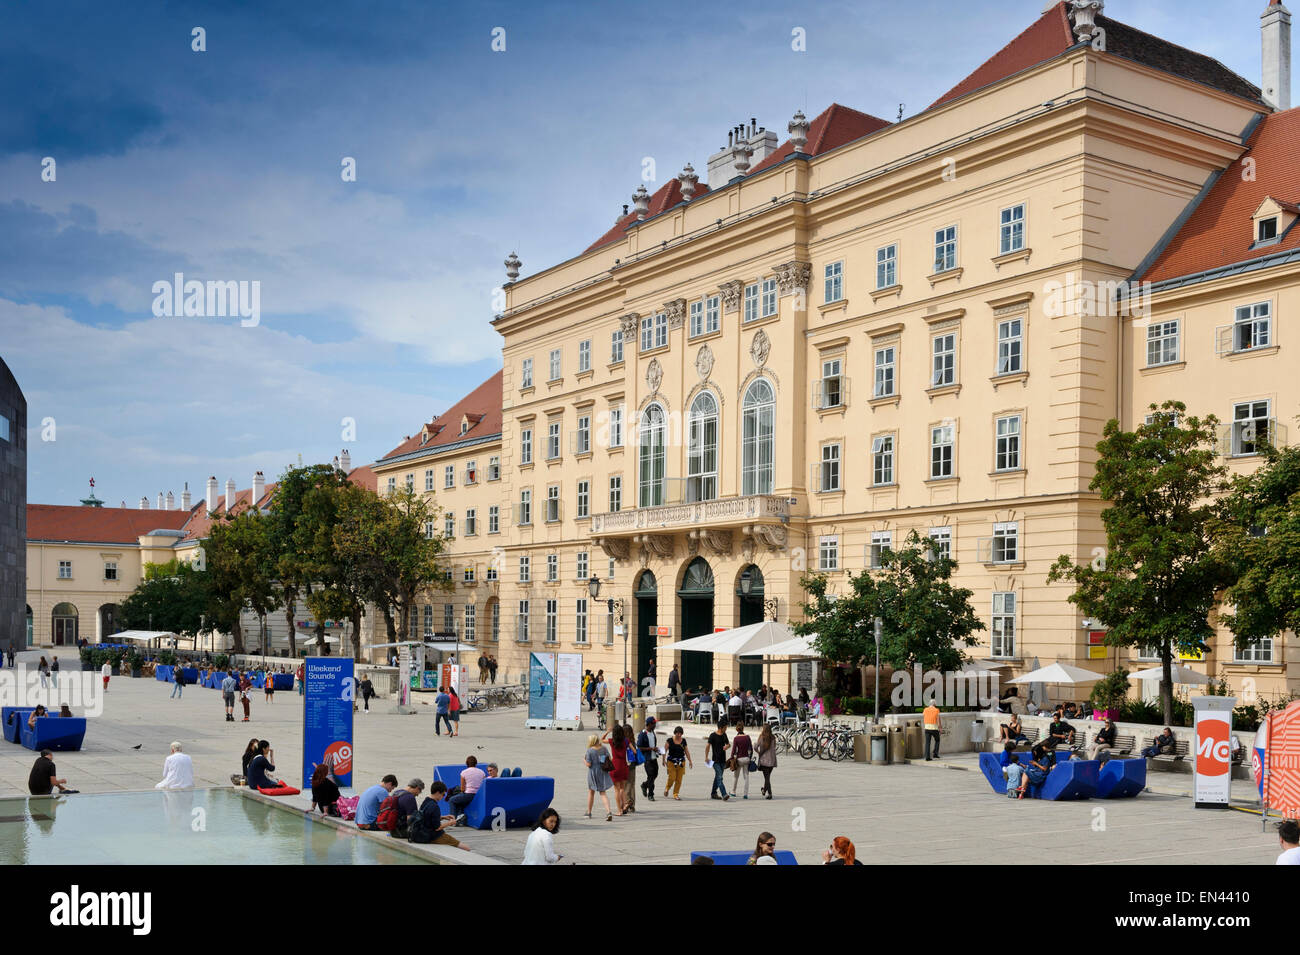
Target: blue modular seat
column 14, row 719
column 1122, row 778
column 191, row 675
column 520, row 798
column 731, row 857
column 1069, row 778
column 164, row 672
column 282, row 681
column 59, row 733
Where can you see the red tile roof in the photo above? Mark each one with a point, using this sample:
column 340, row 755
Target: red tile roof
column 484, row 401
column 199, row 525
column 665, row 197
column 1219, row 231
column 833, row 127
column 98, row 525
column 365, row 477
column 1051, row 35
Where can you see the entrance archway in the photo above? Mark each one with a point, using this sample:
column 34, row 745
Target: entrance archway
column 647, row 618
column 696, row 595
column 64, row 619
column 108, row 614
column 30, row 628
column 749, row 591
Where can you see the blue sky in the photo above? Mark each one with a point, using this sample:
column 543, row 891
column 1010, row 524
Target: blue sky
column 376, row 294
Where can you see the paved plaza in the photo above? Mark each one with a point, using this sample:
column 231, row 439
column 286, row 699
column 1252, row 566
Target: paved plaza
column 917, row 813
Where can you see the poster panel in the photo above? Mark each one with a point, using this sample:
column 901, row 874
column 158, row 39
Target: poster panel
column 328, row 689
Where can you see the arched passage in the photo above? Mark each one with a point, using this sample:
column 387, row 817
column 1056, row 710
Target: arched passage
column 64, row 625
column 749, row 593
column 696, row 595
column 108, row 616
column 647, row 618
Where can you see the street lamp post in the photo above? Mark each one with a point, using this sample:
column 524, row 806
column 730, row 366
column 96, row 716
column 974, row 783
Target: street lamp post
column 879, row 628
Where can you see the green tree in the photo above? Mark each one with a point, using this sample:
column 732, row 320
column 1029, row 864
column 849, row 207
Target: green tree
column 925, row 619
column 173, row 596
column 1155, row 584
column 1258, row 539
column 241, row 565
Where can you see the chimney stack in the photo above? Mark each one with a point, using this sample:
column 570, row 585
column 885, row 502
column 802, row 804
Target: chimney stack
column 345, row 461
column 171, row 501
column 186, row 501
column 259, row 487
column 1276, row 26
column 212, row 494
column 144, row 503
column 230, row 495
column 160, row 500
column 747, row 146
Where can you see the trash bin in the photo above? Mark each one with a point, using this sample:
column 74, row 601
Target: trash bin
column 978, row 736
column 879, row 747
column 897, row 745
column 862, row 746
column 638, row 716
column 915, row 739
column 611, row 713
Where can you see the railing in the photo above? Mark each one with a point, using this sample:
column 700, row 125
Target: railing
column 723, row 511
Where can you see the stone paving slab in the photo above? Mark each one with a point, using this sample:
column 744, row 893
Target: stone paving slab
column 916, row 813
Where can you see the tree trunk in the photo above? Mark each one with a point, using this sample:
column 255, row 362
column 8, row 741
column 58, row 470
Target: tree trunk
column 237, row 636
column 1167, row 684
column 390, row 625
column 289, row 603
column 322, row 648
column 356, row 633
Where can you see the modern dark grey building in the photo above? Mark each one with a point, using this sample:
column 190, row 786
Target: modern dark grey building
column 13, row 512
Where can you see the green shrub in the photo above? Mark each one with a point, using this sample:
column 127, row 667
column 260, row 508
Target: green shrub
column 221, row 661
column 859, row 705
column 166, row 657
column 1111, row 691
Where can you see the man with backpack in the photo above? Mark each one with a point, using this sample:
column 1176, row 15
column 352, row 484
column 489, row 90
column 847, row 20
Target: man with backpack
column 396, row 810
column 429, row 825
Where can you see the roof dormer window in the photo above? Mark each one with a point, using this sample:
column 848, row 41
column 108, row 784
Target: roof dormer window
column 1272, row 220
column 1267, row 229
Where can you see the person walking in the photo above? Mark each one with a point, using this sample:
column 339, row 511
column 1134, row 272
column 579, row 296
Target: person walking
column 602, row 689
column 540, row 848
column 442, row 704
column 268, row 686
column 677, row 756
column 367, row 691
column 618, row 757
column 245, row 691
column 44, row 669
column 54, row 671
column 647, row 742
column 597, row 760
column 742, row 752
column 453, row 710
column 718, row 745
column 482, row 668
column 178, row 682
column 766, row 750
column 633, row 761
column 933, row 723
column 674, row 681
column 650, row 673
column 492, row 668
column 228, row 686
column 298, row 676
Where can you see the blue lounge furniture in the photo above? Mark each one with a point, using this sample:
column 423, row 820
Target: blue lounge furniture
column 259, row 680
column 1122, row 778
column 521, row 798
column 730, row 857
column 164, row 672
column 1069, row 778
column 191, row 675
column 282, row 681
column 59, row 733
column 14, row 719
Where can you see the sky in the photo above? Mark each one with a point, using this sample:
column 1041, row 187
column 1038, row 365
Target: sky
column 226, row 164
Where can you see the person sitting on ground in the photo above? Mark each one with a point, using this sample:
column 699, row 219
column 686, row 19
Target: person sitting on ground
column 1103, row 741
column 36, row 714
column 1165, row 744
column 1012, row 731
column 178, row 770
column 372, row 799
column 262, row 764
column 471, row 778
column 433, row 825
column 250, row 752
column 1060, row 733
column 1016, row 778
column 1008, row 750
column 324, row 791
column 840, row 852
column 408, row 801
column 65, row 710
column 44, row 777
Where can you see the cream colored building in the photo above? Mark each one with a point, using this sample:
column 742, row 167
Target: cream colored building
column 870, row 329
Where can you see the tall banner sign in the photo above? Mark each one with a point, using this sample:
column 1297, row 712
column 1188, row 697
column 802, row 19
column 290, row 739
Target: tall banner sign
column 1280, row 760
column 541, row 690
column 455, row 676
column 403, row 676
column 568, row 691
column 1213, row 780
column 328, row 690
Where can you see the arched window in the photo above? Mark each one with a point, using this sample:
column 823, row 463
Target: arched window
column 650, row 485
column 758, row 438
column 702, row 449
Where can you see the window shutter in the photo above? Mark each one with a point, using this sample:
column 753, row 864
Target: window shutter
column 1223, row 339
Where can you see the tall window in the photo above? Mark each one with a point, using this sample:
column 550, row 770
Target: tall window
column 449, row 524
column 702, row 449
column 580, row 621
column 526, row 446
column 1012, row 234
column 556, row 359
column 834, row 281
column 944, row 368
column 584, row 499
column 428, row 619
column 471, row 623
column 494, row 468
column 526, row 374
column 471, row 522
column 583, row 566
column 494, row 519
column 1253, row 327
column 525, row 569
column 410, row 482
column 881, row 541
column 448, row 618
column 941, row 451
column 471, row 472
column 1010, row 346
column 647, row 332
column 525, row 506
column 882, row 460
column 521, row 622
column 552, row 504
column 1006, row 543
column 697, row 318
column 1004, row 624
column 832, row 384
column 1250, row 426
column 1007, row 451
column 941, row 537
column 769, row 299
column 885, row 372
column 552, row 440
column 110, row 570
column 430, row 530
column 1162, row 343
column 496, row 621
column 65, row 570
column 712, row 313
column 552, row 620
column 758, row 442
column 830, row 468
column 552, row 567
column 584, row 355
column 616, row 426
column 945, row 249
column 428, row 479
column 392, row 486
column 887, row 267
column 654, row 331
column 751, row 302
column 828, row 554
column 582, row 437
column 616, row 346
column 652, row 458
column 449, row 476
column 616, row 493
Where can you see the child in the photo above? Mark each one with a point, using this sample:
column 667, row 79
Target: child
column 1016, row 778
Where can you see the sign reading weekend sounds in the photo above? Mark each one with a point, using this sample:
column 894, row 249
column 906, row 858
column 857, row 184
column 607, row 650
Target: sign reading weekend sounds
column 328, row 689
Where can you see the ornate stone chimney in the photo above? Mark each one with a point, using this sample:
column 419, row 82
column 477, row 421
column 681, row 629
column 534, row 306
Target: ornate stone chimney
column 1276, row 25
column 186, row 502
column 160, row 500
column 212, row 494
column 641, row 201
column 259, row 487
column 171, row 501
column 230, row 495
column 1084, row 14
column 512, row 266
column 799, row 131
column 688, row 181
column 345, row 461
column 144, row 503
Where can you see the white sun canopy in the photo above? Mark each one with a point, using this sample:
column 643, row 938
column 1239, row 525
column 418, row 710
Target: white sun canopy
column 1178, row 673
column 751, row 640
column 1058, row 673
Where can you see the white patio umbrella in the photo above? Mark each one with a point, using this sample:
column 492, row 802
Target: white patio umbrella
column 1180, row 675
column 750, row 640
column 1058, row 673
column 798, row 647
